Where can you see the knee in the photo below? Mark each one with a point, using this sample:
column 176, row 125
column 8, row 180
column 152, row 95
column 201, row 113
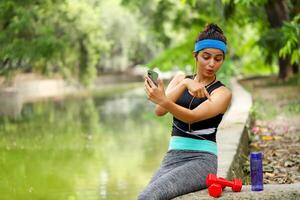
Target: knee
column 149, row 193
column 141, row 196
column 144, row 196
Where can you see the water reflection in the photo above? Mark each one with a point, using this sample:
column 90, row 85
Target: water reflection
column 88, row 148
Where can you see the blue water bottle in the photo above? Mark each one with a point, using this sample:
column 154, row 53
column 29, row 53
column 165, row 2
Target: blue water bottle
column 256, row 171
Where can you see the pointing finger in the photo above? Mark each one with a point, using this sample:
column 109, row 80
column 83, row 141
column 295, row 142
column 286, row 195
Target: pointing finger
column 207, row 94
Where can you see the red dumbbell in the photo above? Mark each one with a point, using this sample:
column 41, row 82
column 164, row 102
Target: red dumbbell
column 215, row 190
column 235, row 184
column 223, row 186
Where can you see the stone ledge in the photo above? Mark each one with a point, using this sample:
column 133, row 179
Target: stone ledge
column 231, row 130
column 274, row 192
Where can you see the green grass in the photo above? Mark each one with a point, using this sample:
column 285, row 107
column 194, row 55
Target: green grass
column 262, row 110
column 292, row 108
column 292, row 81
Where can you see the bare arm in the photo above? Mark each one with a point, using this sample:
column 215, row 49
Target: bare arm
column 217, row 103
column 173, row 92
column 220, row 100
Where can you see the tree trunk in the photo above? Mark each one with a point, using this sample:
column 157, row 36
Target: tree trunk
column 83, row 58
column 283, row 67
column 295, row 68
column 299, row 77
column 277, row 12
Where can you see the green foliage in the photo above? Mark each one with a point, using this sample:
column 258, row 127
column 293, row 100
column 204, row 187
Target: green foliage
column 262, row 111
column 49, row 36
column 269, row 44
column 25, row 39
column 166, row 20
column 251, row 49
column 250, row 43
column 292, row 108
column 250, row 2
column 86, row 41
column 180, row 56
column 79, row 38
column 228, row 70
column 129, row 39
column 245, row 53
column 291, row 37
column 192, row 2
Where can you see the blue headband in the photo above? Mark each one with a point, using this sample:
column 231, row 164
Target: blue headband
column 209, row 43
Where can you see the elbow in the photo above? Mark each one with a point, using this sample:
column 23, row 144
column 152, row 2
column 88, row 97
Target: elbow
column 190, row 121
column 159, row 112
column 190, row 118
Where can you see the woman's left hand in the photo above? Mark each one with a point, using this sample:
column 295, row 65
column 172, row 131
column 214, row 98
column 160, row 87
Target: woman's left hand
column 156, row 94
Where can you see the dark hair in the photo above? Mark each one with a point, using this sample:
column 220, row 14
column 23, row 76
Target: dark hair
column 212, row 31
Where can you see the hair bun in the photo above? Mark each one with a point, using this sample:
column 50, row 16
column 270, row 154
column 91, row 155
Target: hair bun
column 210, row 28
column 212, row 31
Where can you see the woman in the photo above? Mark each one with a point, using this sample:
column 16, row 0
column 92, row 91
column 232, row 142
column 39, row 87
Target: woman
column 197, row 104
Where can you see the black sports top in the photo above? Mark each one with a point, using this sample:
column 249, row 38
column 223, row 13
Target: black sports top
column 209, row 126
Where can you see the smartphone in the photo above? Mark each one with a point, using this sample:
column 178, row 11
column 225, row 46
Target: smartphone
column 153, row 76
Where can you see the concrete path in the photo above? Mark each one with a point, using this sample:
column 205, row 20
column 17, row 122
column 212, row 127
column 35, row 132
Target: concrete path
column 231, row 129
column 232, row 140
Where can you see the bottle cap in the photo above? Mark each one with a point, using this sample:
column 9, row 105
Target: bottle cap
column 256, row 155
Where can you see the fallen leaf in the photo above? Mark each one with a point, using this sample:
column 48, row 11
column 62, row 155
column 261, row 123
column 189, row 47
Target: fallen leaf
column 289, row 163
column 254, row 145
column 277, row 137
column 266, row 137
column 269, row 174
column 268, row 169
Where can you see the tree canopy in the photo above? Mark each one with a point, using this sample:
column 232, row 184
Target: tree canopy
column 83, row 38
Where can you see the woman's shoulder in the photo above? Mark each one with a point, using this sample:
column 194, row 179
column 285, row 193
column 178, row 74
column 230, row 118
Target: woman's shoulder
column 222, row 89
column 179, row 77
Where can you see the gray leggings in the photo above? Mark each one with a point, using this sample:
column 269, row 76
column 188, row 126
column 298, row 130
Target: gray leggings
column 181, row 172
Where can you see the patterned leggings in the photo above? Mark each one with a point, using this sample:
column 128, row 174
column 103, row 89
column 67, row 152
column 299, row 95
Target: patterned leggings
column 181, row 172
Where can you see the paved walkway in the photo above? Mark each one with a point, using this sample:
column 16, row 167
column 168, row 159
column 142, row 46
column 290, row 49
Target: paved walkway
column 231, row 140
column 232, row 127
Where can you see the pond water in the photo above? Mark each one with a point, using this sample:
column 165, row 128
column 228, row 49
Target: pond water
column 100, row 147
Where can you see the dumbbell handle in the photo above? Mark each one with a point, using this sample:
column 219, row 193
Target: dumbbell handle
column 225, row 182
column 212, row 178
column 236, row 184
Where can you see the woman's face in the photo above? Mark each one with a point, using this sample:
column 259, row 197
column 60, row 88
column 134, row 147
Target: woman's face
column 209, row 61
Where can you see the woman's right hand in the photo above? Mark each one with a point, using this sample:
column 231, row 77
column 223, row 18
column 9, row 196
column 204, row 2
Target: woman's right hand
column 197, row 89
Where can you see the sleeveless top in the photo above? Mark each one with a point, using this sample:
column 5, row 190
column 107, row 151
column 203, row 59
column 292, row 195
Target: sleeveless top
column 203, row 130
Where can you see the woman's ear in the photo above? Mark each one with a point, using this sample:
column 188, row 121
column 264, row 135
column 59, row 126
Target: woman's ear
column 195, row 54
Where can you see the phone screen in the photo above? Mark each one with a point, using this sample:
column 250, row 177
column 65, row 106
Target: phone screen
column 153, row 75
